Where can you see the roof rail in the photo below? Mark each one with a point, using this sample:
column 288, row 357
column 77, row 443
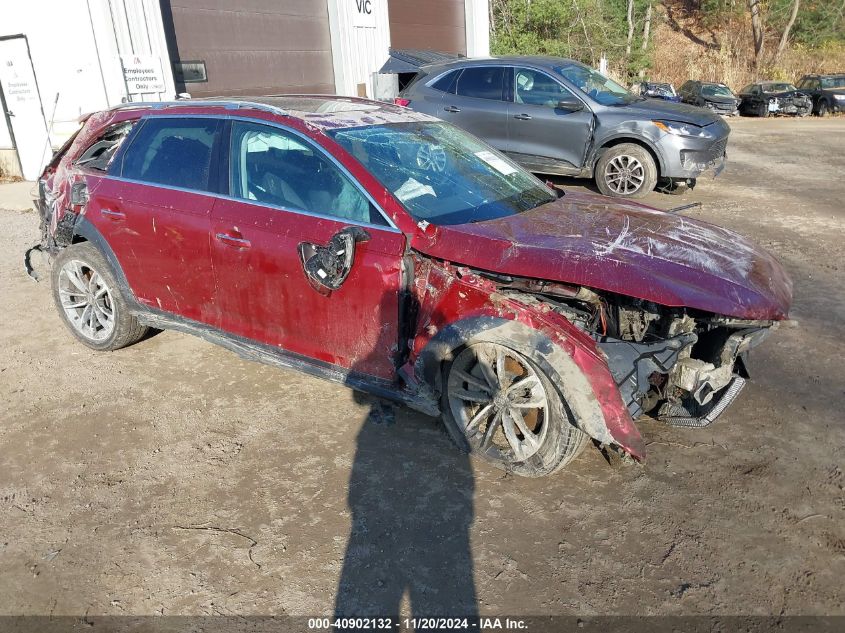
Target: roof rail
column 229, row 104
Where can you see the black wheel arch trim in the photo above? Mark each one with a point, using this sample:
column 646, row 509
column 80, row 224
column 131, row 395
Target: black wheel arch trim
column 86, row 230
column 559, row 366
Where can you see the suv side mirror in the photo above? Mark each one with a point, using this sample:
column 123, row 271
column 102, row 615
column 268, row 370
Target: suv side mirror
column 570, row 103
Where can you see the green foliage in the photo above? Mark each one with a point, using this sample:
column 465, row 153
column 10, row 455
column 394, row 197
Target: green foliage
column 577, row 29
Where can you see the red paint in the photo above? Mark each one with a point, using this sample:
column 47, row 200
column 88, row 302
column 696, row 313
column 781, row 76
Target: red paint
column 249, row 281
column 629, row 249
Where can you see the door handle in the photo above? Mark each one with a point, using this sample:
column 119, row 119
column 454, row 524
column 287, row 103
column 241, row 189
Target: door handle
column 233, row 240
column 522, row 117
column 452, row 109
column 113, row 215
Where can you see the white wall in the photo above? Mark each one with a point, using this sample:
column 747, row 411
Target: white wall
column 76, row 47
column 477, row 27
column 357, row 51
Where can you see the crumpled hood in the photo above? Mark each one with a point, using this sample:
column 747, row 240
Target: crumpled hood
column 625, row 248
column 670, row 111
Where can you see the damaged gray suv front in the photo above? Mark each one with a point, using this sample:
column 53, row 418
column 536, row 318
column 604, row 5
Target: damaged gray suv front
column 556, row 116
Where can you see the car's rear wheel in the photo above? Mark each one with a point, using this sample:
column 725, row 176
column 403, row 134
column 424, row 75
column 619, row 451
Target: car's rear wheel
column 823, row 109
column 499, row 406
column 88, row 300
column 626, row 171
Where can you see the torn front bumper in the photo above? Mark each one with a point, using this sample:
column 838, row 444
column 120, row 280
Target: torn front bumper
column 690, row 157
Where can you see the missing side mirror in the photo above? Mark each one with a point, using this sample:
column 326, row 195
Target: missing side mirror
column 327, row 267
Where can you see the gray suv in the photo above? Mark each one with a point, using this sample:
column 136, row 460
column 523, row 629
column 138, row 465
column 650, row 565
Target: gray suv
column 556, row 116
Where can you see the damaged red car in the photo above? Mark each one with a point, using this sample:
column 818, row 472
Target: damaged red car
column 392, row 252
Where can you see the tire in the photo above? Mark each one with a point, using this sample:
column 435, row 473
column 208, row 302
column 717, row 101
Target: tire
column 486, row 376
column 823, row 109
column 763, row 111
column 89, row 301
column 626, row 171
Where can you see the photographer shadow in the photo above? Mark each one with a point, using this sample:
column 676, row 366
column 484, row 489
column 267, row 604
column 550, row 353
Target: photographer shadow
column 411, row 498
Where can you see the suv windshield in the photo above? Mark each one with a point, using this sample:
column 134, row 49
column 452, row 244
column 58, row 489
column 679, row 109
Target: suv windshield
column 596, row 86
column 778, row 87
column 711, row 90
column 441, row 174
column 833, row 82
column 663, row 90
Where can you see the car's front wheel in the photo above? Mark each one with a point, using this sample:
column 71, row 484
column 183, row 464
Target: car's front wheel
column 626, row 171
column 500, row 406
column 88, row 300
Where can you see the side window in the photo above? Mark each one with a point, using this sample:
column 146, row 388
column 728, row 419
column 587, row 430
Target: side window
column 174, row 152
column 276, row 167
column 533, row 87
column 447, row 82
column 481, row 82
column 101, row 152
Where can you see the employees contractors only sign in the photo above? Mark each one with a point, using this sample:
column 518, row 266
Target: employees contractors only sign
column 142, row 73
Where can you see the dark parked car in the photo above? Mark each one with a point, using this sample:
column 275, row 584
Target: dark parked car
column 716, row 97
column 826, row 91
column 655, row 91
column 387, row 250
column 773, row 97
column 556, row 116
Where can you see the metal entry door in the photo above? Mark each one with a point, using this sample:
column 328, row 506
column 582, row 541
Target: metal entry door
column 22, row 102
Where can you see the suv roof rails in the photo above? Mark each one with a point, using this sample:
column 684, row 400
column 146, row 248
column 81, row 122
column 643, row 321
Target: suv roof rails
column 229, row 104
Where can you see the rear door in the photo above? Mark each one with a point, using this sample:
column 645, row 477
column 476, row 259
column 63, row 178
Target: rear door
column 476, row 103
column 154, row 210
column 541, row 135
column 284, row 191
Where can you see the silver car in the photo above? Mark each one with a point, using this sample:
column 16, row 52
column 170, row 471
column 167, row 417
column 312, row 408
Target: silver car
column 556, row 116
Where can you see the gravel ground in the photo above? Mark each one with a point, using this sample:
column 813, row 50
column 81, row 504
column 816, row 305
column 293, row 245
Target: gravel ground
column 172, row 477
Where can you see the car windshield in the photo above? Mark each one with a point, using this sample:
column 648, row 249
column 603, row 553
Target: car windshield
column 441, row 174
column 662, row 90
column 833, row 82
column 711, row 90
column 596, row 86
column 778, row 87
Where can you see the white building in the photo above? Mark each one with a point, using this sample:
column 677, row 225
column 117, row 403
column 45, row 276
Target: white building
column 60, row 59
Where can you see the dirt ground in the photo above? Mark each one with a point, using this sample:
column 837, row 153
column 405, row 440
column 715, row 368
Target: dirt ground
column 172, row 477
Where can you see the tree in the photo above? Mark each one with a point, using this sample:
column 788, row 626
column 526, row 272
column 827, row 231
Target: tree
column 757, row 31
column 784, row 39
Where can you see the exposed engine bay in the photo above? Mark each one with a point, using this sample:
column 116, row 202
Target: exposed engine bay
column 681, row 366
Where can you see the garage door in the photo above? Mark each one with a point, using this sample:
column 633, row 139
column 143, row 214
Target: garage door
column 252, row 47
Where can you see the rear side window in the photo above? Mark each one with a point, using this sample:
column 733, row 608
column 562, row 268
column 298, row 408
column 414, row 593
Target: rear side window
column 481, row 82
column 173, row 152
column 99, row 154
column 447, row 82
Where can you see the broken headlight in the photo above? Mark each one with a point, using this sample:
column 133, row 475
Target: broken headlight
column 684, row 129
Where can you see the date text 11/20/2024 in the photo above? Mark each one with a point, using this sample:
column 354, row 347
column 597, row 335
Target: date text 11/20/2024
column 417, row 624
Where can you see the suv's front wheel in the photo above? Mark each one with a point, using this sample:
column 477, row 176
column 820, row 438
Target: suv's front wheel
column 626, row 171
column 89, row 302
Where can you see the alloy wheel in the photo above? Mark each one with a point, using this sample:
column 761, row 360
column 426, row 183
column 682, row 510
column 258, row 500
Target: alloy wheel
column 499, row 402
column 86, row 300
column 624, row 175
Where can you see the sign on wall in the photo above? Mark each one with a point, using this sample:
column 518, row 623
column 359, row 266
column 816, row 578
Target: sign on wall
column 142, row 73
column 23, row 105
column 364, row 14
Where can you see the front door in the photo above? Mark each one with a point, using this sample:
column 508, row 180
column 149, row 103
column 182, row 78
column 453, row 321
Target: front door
column 285, row 192
column 541, row 135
